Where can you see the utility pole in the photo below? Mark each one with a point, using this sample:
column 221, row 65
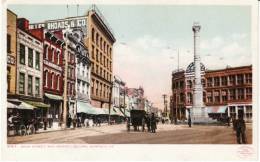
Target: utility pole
column 164, row 101
column 65, row 82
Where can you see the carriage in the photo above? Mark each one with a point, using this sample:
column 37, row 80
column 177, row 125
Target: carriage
column 135, row 120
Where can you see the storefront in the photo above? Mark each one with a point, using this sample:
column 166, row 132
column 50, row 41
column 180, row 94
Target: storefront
column 55, row 109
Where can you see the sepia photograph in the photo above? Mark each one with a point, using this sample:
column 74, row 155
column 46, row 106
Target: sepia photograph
column 114, row 75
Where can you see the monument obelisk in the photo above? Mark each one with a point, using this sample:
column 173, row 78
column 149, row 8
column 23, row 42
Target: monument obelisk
column 198, row 113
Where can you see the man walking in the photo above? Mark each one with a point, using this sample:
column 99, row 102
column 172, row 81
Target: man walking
column 153, row 123
column 240, row 130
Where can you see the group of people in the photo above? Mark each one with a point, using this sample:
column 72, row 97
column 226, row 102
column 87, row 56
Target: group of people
column 92, row 122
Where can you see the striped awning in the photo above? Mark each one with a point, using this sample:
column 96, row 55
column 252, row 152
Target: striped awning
column 54, row 97
column 216, row 109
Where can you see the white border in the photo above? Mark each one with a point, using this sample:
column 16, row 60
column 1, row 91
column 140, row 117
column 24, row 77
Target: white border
column 134, row 152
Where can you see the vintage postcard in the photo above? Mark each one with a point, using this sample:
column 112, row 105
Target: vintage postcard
column 123, row 80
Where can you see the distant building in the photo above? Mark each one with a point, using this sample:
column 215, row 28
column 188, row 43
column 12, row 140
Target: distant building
column 226, row 92
column 136, row 98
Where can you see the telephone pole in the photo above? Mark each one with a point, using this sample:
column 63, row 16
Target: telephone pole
column 165, row 106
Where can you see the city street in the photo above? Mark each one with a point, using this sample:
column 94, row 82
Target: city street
column 117, row 134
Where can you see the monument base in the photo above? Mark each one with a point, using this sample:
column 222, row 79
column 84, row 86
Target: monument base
column 199, row 115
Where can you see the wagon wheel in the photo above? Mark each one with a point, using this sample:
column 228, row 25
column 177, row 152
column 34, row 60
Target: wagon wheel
column 22, row 130
column 31, row 129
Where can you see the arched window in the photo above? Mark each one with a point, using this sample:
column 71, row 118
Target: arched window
column 93, row 34
column 97, row 38
column 52, row 80
column 58, row 82
column 45, row 51
column 46, row 78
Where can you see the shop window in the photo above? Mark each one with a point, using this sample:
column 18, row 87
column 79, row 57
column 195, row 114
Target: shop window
column 249, row 112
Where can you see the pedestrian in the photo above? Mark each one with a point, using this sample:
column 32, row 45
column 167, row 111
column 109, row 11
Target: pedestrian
column 240, row 130
column 234, row 124
column 189, row 121
column 153, row 123
column 99, row 121
column 148, row 123
column 45, row 121
column 74, row 120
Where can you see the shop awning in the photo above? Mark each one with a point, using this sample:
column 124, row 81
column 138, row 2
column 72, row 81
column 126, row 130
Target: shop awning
column 217, row 109
column 53, row 97
column 26, row 106
column 100, row 111
column 11, row 106
column 38, row 104
column 118, row 111
column 84, row 107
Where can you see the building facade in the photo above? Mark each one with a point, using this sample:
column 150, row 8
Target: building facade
column 11, row 53
column 29, row 66
column 52, row 72
column 100, row 44
column 136, row 98
column 226, row 92
column 119, row 94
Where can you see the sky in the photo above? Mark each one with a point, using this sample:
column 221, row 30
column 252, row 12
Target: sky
column 149, row 36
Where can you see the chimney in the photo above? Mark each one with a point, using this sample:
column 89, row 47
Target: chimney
column 23, row 24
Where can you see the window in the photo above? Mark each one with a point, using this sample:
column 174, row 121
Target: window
column 96, row 69
column 101, row 43
column 101, row 58
column 92, row 52
column 58, row 57
column 58, row 83
column 223, row 80
column 249, row 93
column 216, row 96
column 97, row 37
column 37, row 86
column 45, row 51
column 209, row 82
column 8, row 43
column 216, row 81
column 249, row 112
column 240, row 79
column 249, row 78
column 240, row 93
column 51, row 81
column 30, row 78
column 37, row 60
column 93, row 35
column 232, row 80
column 97, row 55
column 21, row 83
column 30, row 57
column 83, row 88
column 224, row 95
column 189, row 84
column 209, row 97
column 232, row 94
column 22, row 54
column 45, row 79
column 181, row 84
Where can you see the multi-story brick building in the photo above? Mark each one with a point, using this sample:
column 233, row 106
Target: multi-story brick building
column 52, row 72
column 29, row 67
column 100, row 44
column 226, row 92
column 11, row 53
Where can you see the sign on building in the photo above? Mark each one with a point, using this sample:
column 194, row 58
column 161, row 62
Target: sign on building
column 60, row 24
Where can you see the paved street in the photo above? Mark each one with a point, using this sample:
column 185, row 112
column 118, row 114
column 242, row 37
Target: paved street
column 117, row 134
